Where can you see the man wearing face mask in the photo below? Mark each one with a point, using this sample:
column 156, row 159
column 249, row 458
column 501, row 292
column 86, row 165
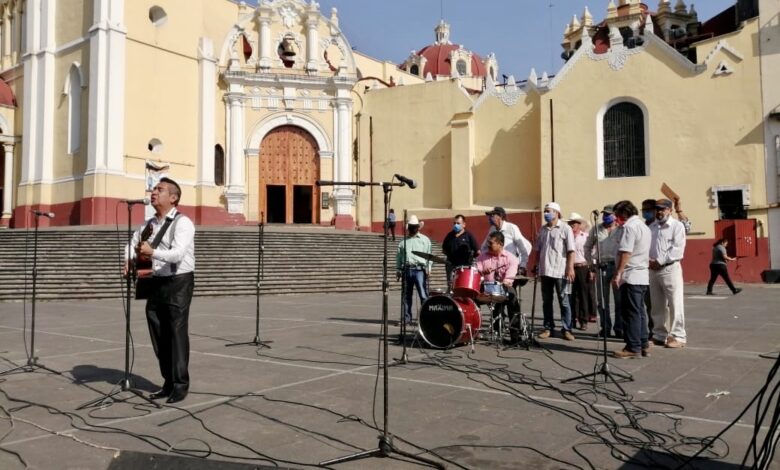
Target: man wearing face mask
column 555, row 265
column 667, row 247
column 414, row 269
column 607, row 235
column 632, row 278
column 648, row 213
column 459, row 246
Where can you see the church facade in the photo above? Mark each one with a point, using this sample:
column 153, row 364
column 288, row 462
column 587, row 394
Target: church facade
column 248, row 106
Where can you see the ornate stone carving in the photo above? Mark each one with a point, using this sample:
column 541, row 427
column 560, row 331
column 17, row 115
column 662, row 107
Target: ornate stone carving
column 617, row 56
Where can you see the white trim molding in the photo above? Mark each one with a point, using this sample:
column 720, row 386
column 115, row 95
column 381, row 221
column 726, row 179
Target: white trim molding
column 262, row 128
column 600, row 134
column 714, row 190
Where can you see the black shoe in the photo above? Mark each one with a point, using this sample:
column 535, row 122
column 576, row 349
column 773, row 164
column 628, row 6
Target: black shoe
column 737, row 290
column 710, row 293
column 160, row 394
column 176, row 397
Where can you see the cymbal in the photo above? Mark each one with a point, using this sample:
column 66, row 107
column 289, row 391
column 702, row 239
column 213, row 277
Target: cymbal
column 430, row 257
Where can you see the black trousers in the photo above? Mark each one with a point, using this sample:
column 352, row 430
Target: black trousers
column 719, row 270
column 167, row 313
column 581, row 298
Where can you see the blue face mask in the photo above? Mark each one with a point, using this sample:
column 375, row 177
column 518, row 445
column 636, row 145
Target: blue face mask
column 649, row 216
column 548, row 217
column 457, row 227
column 608, row 219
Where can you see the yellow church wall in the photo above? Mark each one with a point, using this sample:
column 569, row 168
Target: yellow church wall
column 163, row 104
column 506, row 164
column 411, row 136
column 702, row 130
column 74, row 21
column 187, row 21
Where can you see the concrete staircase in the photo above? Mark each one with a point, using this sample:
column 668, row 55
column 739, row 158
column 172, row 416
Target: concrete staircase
column 84, row 263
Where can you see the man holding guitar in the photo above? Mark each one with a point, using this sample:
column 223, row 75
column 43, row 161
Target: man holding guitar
column 169, row 285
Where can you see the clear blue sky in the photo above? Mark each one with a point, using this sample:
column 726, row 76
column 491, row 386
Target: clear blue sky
column 522, row 33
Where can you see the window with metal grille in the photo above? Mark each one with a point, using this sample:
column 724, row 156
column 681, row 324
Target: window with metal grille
column 624, row 141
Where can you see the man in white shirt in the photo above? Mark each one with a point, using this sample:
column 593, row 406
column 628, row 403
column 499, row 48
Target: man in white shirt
column 555, row 266
column 607, row 235
column 667, row 247
column 631, row 276
column 514, row 242
column 168, row 306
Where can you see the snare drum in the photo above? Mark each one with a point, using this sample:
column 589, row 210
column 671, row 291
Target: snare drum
column 466, row 281
column 492, row 293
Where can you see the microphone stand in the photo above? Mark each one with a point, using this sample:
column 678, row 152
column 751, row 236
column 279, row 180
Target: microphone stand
column 260, row 268
column 603, row 368
column 126, row 383
column 32, row 360
column 385, row 447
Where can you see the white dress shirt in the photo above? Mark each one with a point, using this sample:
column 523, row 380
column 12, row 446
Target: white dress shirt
column 553, row 245
column 176, row 252
column 514, row 241
column 608, row 242
column 667, row 241
column 635, row 239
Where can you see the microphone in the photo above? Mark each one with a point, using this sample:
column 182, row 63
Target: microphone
column 323, row 183
column 145, row 201
column 408, row 181
column 45, row 214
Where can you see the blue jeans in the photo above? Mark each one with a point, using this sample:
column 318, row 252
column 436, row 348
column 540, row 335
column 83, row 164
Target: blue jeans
column 414, row 278
column 632, row 302
column 559, row 285
column 607, row 272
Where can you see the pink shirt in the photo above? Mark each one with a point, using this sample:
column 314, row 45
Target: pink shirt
column 580, row 256
column 498, row 268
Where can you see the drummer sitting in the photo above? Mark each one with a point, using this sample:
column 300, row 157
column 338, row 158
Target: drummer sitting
column 498, row 265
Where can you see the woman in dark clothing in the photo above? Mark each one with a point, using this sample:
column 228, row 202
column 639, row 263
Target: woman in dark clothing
column 718, row 266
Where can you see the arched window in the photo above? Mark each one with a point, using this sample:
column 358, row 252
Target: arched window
column 219, row 165
column 74, row 109
column 414, row 69
column 461, row 65
column 624, row 141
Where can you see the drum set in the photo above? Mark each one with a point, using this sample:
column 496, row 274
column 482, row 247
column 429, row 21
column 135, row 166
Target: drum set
column 452, row 318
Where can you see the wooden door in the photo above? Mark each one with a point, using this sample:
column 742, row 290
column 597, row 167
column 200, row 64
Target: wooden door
column 289, row 158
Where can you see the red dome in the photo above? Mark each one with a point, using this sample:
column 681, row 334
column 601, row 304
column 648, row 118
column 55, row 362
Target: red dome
column 7, row 97
column 438, row 61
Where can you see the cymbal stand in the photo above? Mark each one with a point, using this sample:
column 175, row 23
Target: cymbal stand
column 603, row 368
column 32, row 360
column 385, row 447
column 257, row 342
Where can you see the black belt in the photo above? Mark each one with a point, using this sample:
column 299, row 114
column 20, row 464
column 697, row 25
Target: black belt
column 668, row 264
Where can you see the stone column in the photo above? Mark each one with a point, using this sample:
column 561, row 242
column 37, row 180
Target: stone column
column 8, row 194
column 208, row 76
column 264, row 20
column 344, row 195
column 312, row 39
column 6, row 37
column 236, row 191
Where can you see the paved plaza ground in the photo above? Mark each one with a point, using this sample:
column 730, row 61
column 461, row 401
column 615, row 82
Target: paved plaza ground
column 315, row 394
